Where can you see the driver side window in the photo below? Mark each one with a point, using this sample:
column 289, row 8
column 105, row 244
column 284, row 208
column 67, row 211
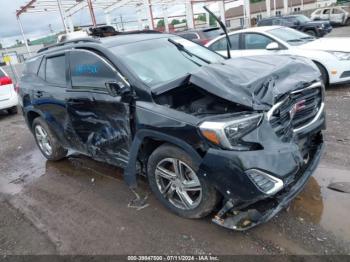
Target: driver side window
column 89, row 71
column 256, row 41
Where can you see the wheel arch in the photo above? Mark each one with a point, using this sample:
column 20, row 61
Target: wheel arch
column 30, row 116
column 325, row 68
column 144, row 143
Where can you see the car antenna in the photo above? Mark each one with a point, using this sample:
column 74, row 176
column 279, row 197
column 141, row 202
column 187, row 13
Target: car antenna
column 223, row 28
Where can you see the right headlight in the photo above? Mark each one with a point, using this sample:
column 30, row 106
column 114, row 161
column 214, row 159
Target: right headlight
column 227, row 133
column 341, row 55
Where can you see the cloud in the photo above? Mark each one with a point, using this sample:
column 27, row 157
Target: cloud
column 37, row 24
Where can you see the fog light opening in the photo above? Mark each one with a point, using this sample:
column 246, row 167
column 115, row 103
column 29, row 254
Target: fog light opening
column 264, row 182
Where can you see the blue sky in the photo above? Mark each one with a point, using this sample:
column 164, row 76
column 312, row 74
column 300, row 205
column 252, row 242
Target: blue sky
column 37, row 24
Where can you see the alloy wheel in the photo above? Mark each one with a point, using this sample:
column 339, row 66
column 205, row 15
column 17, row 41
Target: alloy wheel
column 43, row 140
column 178, row 183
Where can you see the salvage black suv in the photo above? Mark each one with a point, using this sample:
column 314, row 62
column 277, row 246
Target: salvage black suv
column 237, row 136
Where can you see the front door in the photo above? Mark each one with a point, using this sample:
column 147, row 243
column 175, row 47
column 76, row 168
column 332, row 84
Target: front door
column 99, row 123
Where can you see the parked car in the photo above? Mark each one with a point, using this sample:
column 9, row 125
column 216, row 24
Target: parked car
column 201, row 36
column 8, row 95
column 331, row 54
column 337, row 15
column 207, row 131
column 300, row 23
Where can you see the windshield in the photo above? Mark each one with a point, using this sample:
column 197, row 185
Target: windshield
column 291, row 36
column 158, row 61
column 303, row 18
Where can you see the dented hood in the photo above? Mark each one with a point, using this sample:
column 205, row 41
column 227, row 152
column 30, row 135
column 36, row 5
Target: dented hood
column 255, row 82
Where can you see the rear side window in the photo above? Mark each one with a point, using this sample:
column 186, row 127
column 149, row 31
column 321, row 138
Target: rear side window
column 337, row 11
column 89, row 71
column 32, row 65
column 56, row 70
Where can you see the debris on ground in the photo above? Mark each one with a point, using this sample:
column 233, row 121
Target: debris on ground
column 343, row 187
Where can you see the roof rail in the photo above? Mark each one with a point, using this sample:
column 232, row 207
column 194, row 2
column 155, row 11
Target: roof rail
column 73, row 41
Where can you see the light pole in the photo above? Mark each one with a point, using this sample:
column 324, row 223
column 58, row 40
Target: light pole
column 23, row 35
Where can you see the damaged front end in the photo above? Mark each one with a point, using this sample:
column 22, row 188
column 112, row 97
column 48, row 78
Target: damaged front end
column 265, row 143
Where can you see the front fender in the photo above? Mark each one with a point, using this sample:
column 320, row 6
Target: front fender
column 130, row 170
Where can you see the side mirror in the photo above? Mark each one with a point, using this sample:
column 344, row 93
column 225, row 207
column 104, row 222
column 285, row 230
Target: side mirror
column 117, row 88
column 272, row 46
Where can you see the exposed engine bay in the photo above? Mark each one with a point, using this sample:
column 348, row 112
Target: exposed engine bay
column 195, row 101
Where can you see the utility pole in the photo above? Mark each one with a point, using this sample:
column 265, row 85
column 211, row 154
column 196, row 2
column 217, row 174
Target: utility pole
column 92, row 14
column 62, row 15
column 121, row 21
column 23, row 36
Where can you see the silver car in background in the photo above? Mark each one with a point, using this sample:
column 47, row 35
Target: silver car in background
column 337, row 15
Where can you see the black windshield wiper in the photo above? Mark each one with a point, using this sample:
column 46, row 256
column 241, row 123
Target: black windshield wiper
column 308, row 38
column 184, row 49
column 295, row 40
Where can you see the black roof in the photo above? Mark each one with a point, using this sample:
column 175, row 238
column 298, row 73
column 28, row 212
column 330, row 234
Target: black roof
column 130, row 38
column 106, row 41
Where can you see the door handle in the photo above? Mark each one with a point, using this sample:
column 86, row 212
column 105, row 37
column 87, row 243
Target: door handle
column 39, row 93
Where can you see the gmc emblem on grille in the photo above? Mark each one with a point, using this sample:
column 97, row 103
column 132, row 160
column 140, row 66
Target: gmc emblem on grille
column 298, row 106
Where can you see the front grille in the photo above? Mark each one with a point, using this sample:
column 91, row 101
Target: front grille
column 296, row 111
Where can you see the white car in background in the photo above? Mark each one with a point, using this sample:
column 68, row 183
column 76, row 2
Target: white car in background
column 8, row 94
column 330, row 54
column 337, row 15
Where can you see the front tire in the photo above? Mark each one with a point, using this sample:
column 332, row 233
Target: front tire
column 173, row 179
column 47, row 141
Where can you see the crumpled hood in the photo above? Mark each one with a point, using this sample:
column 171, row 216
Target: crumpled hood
column 255, row 82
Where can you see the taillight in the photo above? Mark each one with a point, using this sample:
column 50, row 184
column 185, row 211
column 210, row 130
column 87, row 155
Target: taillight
column 5, row 80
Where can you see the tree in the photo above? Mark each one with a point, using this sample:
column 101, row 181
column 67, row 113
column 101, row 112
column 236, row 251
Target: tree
column 183, row 21
column 175, row 22
column 202, row 17
column 0, row 46
column 161, row 23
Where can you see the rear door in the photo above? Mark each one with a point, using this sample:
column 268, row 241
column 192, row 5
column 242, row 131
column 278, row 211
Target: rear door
column 337, row 15
column 99, row 124
column 49, row 93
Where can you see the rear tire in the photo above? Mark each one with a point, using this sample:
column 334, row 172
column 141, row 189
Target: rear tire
column 12, row 110
column 347, row 22
column 173, row 192
column 47, row 141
